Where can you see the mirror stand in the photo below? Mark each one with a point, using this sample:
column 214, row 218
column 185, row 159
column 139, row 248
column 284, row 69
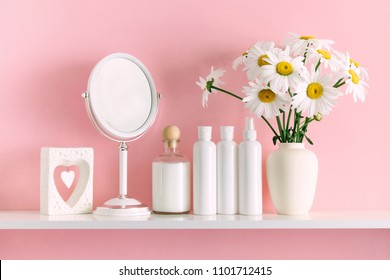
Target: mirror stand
column 122, row 205
column 122, row 104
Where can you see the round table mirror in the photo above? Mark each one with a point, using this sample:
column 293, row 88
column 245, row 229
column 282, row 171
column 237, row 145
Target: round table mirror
column 122, row 103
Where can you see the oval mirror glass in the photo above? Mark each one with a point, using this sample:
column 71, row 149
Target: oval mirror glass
column 122, row 97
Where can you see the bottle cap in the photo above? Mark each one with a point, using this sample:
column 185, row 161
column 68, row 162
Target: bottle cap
column 227, row 132
column 249, row 132
column 171, row 135
column 204, row 132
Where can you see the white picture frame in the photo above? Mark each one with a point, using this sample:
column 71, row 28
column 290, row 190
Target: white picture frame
column 66, row 181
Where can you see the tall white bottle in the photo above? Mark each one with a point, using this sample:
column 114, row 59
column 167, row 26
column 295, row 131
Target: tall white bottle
column 227, row 173
column 250, row 177
column 205, row 178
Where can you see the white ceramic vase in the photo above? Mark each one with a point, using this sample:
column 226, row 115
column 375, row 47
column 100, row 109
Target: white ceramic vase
column 292, row 178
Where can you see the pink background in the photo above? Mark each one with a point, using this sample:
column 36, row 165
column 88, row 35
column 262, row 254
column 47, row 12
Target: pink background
column 48, row 49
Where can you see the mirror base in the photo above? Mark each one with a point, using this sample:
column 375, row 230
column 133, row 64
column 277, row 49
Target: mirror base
column 122, row 207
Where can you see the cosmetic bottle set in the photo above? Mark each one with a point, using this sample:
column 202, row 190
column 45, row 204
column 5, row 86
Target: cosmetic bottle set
column 227, row 177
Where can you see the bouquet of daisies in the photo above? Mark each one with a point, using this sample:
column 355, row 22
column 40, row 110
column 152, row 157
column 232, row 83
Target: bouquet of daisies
column 295, row 84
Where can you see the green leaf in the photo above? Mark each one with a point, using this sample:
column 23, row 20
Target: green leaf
column 275, row 139
column 308, row 140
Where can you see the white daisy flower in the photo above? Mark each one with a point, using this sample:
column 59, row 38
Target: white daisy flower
column 255, row 58
column 264, row 100
column 324, row 57
column 299, row 44
column 283, row 71
column 316, row 95
column 363, row 71
column 348, row 63
column 356, row 85
column 240, row 60
column 211, row 80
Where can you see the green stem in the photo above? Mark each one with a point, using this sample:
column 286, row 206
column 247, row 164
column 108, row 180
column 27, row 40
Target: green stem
column 288, row 135
column 289, row 117
column 318, row 65
column 303, row 129
column 289, row 92
column 339, row 83
column 270, row 126
column 296, row 121
column 280, row 128
column 228, row 92
column 305, row 56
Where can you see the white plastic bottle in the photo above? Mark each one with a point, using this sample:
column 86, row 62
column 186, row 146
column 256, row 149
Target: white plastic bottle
column 227, row 173
column 250, row 177
column 205, row 178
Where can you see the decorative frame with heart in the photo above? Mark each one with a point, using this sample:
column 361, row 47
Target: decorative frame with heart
column 66, row 181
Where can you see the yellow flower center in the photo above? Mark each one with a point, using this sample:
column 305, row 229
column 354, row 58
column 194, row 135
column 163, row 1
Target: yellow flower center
column 284, row 68
column 261, row 60
column 354, row 62
column 325, row 54
column 355, row 77
column 314, row 90
column 307, row 37
column 266, row 95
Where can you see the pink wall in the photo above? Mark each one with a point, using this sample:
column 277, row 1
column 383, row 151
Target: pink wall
column 48, row 49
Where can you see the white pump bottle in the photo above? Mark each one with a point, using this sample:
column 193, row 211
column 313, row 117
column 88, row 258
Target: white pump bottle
column 250, row 172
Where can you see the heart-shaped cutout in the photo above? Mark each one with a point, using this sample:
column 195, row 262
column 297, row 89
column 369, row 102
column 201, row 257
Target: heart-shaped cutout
column 66, row 179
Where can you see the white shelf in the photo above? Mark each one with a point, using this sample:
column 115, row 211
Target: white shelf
column 315, row 220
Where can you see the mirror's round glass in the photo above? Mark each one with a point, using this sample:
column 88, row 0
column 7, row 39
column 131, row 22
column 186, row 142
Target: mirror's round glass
column 122, row 97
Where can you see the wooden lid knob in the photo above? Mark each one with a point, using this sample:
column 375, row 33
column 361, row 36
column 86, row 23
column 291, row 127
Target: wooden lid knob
column 171, row 133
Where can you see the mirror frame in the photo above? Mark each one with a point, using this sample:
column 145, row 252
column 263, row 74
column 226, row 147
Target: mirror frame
column 100, row 124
